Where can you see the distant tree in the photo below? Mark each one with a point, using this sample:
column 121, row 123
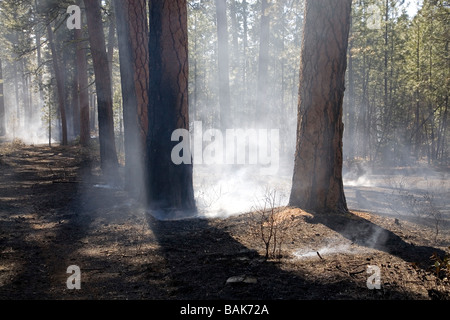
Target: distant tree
column 82, row 74
column 170, row 186
column 223, row 63
column 263, row 64
column 59, row 84
column 317, row 181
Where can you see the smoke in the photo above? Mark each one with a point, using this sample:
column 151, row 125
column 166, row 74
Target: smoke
column 33, row 133
column 235, row 191
column 342, row 248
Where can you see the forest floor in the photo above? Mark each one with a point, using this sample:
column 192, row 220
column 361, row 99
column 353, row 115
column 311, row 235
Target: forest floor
column 55, row 211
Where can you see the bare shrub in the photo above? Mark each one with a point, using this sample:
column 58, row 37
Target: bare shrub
column 268, row 223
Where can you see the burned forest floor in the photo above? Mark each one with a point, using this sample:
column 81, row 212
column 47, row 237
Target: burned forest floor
column 56, row 212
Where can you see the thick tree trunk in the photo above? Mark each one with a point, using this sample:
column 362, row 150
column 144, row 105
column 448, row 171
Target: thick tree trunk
column 169, row 186
column 59, row 85
column 132, row 30
column 108, row 155
column 317, row 181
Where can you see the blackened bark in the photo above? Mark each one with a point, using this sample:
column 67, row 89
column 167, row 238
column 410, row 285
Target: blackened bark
column 59, row 85
column 82, row 89
column 108, row 155
column 169, row 186
column 317, row 180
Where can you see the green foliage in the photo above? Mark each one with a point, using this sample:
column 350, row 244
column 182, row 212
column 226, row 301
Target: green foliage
column 400, row 80
column 441, row 266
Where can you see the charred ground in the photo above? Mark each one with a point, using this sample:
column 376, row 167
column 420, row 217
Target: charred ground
column 55, row 211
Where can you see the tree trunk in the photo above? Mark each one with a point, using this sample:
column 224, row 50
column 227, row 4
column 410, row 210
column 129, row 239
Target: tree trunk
column 59, row 85
column 351, row 110
column 169, row 186
column 82, row 88
column 2, row 104
column 317, row 181
column 132, row 31
column 262, row 107
column 108, row 155
column 223, row 63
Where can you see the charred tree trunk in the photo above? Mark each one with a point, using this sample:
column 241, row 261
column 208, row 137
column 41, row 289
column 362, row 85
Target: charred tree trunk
column 132, row 31
column 170, row 186
column 317, row 180
column 82, row 88
column 108, row 155
column 59, row 85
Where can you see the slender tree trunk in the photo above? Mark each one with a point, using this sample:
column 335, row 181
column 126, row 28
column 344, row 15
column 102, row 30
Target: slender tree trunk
column 223, row 63
column 351, row 111
column 2, row 104
column 108, row 155
column 59, row 85
column 132, row 31
column 244, row 53
column 235, row 33
column 262, row 108
column 111, row 43
column 16, row 94
column 317, row 180
column 169, row 186
column 75, row 103
column 82, row 87
column 25, row 94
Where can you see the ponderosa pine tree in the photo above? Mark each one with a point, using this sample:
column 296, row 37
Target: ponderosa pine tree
column 59, row 84
column 317, row 181
column 108, row 155
column 82, row 70
column 169, row 186
column 132, row 31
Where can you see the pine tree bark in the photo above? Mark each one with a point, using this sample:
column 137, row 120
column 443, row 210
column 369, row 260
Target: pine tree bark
column 82, row 88
column 132, row 31
column 108, row 155
column 317, row 181
column 170, row 186
column 59, row 85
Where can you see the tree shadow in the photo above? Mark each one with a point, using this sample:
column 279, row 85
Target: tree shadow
column 202, row 257
column 368, row 234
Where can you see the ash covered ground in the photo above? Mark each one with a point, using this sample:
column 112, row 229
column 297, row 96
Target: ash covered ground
column 54, row 213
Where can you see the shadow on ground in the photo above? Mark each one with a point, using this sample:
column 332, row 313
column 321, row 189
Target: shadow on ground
column 367, row 234
column 201, row 259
